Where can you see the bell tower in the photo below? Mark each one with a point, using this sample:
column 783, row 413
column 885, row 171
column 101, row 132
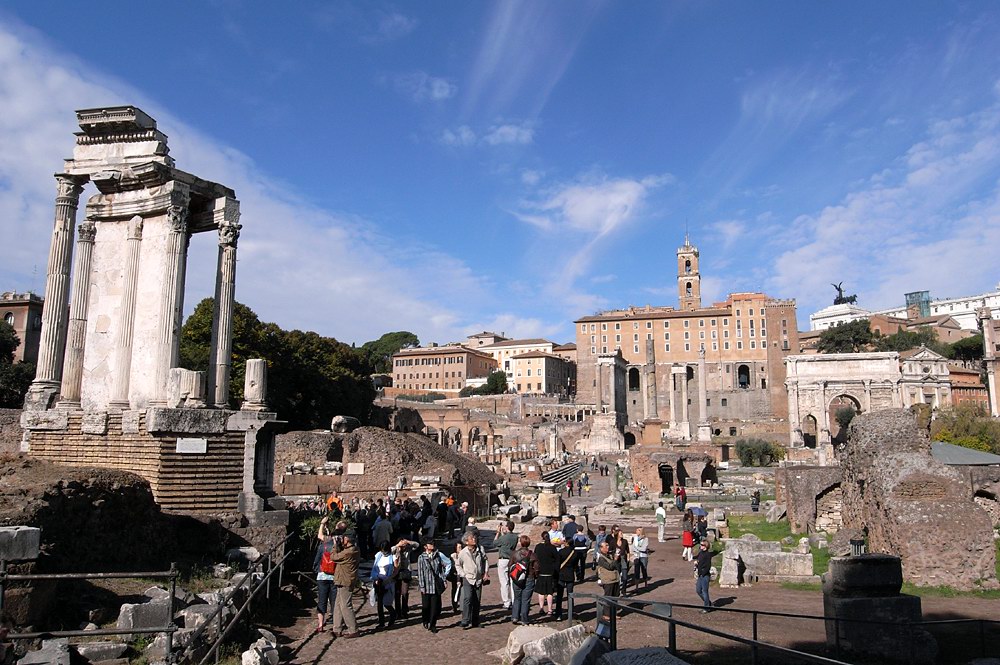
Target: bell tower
column 688, row 276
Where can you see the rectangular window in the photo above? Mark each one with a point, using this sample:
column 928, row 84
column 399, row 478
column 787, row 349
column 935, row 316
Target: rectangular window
column 687, row 347
column 529, row 372
column 687, row 335
column 687, row 324
column 752, row 332
column 649, row 335
column 583, row 327
column 618, row 338
column 725, row 333
column 715, row 334
column 708, row 401
column 725, row 402
column 713, row 322
column 649, row 325
column 666, row 347
column 604, row 349
column 739, row 333
column 725, row 347
column 725, row 323
column 751, row 311
column 618, row 326
column 635, row 349
column 593, row 349
column 635, row 325
column 635, row 337
column 701, row 334
column 604, row 326
column 592, row 327
column 604, row 339
column 715, row 346
column 666, row 336
column 701, row 323
column 666, row 324
column 739, row 345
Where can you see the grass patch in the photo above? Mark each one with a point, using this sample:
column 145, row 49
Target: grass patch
column 758, row 526
column 947, row 592
column 821, row 560
column 801, row 586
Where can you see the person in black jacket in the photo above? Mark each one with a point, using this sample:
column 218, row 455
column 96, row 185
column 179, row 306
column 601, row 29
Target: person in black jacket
column 703, row 569
column 566, row 575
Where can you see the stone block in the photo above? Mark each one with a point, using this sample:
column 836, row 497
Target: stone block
column 50, row 421
column 186, row 421
column 560, row 646
column 803, row 546
column 509, row 509
column 644, row 656
column 590, row 651
column 867, row 630
column 194, row 616
column 242, row 555
column 550, row 505
column 19, row 543
column 53, row 652
column 152, row 614
column 521, row 636
column 96, row 651
column 94, row 422
column 130, row 421
column 776, row 512
column 344, row 424
column 157, row 649
column 868, row 575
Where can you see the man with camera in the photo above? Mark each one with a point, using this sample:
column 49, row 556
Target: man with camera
column 345, row 579
column 471, row 566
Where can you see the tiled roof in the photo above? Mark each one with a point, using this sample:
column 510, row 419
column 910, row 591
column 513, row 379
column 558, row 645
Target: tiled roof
column 516, row 342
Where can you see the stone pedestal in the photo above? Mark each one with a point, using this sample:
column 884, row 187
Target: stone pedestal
column 255, row 388
column 550, row 504
column 861, row 592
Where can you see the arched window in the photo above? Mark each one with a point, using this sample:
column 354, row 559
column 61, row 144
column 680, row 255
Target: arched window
column 688, row 288
column 743, row 376
column 687, row 266
column 8, row 318
column 633, row 379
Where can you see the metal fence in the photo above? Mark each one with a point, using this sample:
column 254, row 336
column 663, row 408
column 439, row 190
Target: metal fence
column 972, row 632
column 259, row 579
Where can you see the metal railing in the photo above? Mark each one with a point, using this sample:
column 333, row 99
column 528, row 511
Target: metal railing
column 663, row 611
column 267, row 566
column 168, row 629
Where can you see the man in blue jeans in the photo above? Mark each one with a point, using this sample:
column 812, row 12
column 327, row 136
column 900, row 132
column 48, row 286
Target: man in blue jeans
column 703, row 568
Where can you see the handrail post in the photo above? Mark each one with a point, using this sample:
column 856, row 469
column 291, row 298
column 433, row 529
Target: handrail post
column 982, row 637
column 672, row 637
column 836, row 636
column 753, row 649
column 267, row 580
column 614, row 626
column 170, row 619
column 3, row 582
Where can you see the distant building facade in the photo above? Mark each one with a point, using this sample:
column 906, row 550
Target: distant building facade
column 504, row 351
column 23, row 311
column 537, row 372
column 440, row 369
column 483, row 339
column 919, row 305
column 967, row 388
column 744, row 341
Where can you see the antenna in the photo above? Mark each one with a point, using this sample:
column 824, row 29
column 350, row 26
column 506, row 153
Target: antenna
column 34, row 277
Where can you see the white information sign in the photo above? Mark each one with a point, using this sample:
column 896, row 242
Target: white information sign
column 355, row 468
column 192, row 446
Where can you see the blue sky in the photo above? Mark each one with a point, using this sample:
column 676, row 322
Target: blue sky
column 451, row 167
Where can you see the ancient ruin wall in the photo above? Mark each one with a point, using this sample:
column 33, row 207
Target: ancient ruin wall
column 914, row 506
column 10, row 430
column 800, row 488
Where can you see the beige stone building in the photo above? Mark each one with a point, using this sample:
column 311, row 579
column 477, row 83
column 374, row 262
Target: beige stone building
column 537, row 372
column 693, row 364
column 503, row 352
column 967, row 387
column 23, row 312
column 443, row 369
column 483, row 339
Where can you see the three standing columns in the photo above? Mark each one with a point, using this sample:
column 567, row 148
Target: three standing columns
column 48, row 373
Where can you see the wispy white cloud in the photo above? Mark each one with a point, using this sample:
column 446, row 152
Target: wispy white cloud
column 521, row 134
column 390, row 26
column 931, row 220
column 421, row 87
column 728, row 231
column 300, row 265
column 459, row 137
column 531, row 177
column 527, row 49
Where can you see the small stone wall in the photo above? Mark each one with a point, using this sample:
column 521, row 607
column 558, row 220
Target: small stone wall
column 800, row 488
column 10, row 430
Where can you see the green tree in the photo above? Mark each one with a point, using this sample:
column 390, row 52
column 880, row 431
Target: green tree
column 496, row 383
column 378, row 353
column 850, row 337
column 967, row 425
column 844, row 416
column 904, row 340
column 311, row 378
column 970, row 348
column 9, row 341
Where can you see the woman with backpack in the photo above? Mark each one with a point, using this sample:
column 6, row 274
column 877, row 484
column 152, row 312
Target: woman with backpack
column 523, row 573
column 324, row 568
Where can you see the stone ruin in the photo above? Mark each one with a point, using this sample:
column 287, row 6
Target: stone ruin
column 913, row 506
column 108, row 391
column 749, row 559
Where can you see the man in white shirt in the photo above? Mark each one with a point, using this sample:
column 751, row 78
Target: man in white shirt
column 661, row 519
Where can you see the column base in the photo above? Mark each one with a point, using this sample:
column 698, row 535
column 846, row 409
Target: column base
column 69, row 405
column 41, row 396
column 119, row 405
column 704, row 433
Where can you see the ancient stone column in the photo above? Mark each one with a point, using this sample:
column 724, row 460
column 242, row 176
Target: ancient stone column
column 126, row 318
column 599, row 390
column 48, row 372
column 650, row 380
column 72, row 378
column 685, row 410
column 704, row 428
column 225, row 298
column 673, row 396
column 255, row 385
column 794, row 422
column 172, row 299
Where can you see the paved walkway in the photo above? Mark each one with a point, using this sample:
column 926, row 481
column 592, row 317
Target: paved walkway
column 673, row 581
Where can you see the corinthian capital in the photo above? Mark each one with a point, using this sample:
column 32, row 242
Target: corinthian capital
column 177, row 216
column 87, row 231
column 68, row 186
column 229, row 233
column 135, row 228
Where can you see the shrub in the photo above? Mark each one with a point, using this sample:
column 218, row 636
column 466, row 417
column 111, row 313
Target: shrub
column 758, row 452
column 429, row 397
column 967, row 425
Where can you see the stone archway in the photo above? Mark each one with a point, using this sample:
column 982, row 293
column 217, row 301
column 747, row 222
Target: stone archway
column 829, row 506
column 809, row 431
column 666, row 473
column 629, row 440
column 633, row 379
column 709, row 475
column 682, row 474
column 837, row 404
column 743, row 376
column 453, row 438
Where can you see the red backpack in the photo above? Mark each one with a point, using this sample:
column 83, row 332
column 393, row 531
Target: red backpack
column 326, row 563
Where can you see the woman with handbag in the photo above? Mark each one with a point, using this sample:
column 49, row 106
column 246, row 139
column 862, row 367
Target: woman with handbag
column 402, row 575
column 523, row 573
column 548, row 566
column 433, row 569
column 566, row 575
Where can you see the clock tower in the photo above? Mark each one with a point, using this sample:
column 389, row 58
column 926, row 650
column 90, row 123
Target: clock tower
column 688, row 276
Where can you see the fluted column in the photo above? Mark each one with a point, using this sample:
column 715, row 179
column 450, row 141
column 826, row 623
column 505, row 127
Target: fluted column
column 704, row 427
column 72, row 376
column 126, row 317
column 225, row 298
column 599, row 388
column 172, row 295
column 685, row 411
column 673, row 397
column 48, row 372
